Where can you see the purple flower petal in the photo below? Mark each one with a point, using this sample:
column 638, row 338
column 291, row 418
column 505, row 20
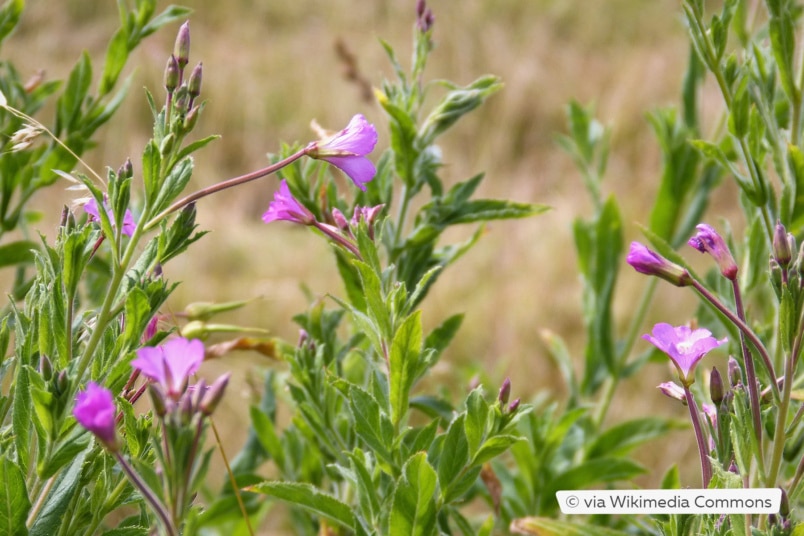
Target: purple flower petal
column 286, row 207
column 171, row 364
column 707, row 240
column 360, row 169
column 91, row 208
column 94, row 410
column 346, row 150
column 684, row 346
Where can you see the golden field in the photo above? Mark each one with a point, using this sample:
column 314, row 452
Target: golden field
column 271, row 67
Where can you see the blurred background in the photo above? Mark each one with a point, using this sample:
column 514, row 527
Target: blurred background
column 270, row 67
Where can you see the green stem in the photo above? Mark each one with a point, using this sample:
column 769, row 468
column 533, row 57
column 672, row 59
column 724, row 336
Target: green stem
column 147, row 494
column 695, row 416
column 401, row 216
column 236, row 181
column 750, row 373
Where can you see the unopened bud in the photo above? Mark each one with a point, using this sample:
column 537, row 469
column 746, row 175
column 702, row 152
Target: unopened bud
column 716, row 392
column 214, row 394
column 781, row 246
column 158, row 399
column 126, row 171
column 194, row 84
column 674, row 391
column 62, row 382
column 191, row 119
column 182, row 100
column 505, row 392
column 784, row 505
column 420, row 5
column 166, row 146
column 181, row 49
column 340, row 219
column 45, row 367
column 185, row 408
column 648, row 262
column 171, row 74
column 65, row 212
column 513, row 406
column 735, row 374
column 198, row 390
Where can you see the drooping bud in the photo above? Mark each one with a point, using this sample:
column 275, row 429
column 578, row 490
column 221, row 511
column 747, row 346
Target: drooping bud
column 707, row 240
column 214, row 394
column 716, row 392
column 648, row 262
column 194, row 84
column 505, row 392
column 181, row 49
column 781, row 246
column 674, row 391
column 171, row 74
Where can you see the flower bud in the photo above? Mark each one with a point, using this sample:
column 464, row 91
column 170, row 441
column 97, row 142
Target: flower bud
column 167, row 144
column 781, row 246
column 648, row 262
column 198, row 390
column 158, row 399
column 674, row 391
column 735, row 374
column 194, row 84
column 513, row 406
column 340, row 220
column 505, row 392
column 214, row 394
column 45, row 367
column 716, row 392
column 191, row 119
column 171, row 74
column 62, row 382
column 784, row 505
column 181, row 50
column 196, row 329
column 707, row 240
column 126, row 171
column 65, row 211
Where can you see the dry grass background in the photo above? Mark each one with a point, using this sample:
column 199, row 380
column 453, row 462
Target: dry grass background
column 270, row 67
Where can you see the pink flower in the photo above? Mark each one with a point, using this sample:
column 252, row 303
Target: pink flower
column 91, row 208
column 707, row 240
column 94, row 410
column 171, row 364
column 285, row 207
column 347, row 150
column 648, row 262
column 684, row 346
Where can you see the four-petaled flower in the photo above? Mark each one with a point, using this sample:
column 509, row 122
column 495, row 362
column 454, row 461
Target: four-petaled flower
column 684, row 346
column 648, row 262
column 171, row 364
column 91, row 208
column 286, row 207
column 347, row 150
column 94, row 410
column 707, row 240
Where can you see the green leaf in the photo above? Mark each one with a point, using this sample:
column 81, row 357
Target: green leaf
column 404, row 359
column 10, row 16
column 19, row 252
column 151, row 164
column 366, row 488
column 624, row 437
column 413, row 511
column 14, row 502
column 543, row 526
column 116, row 56
column 22, row 416
column 266, row 434
column 591, row 472
column 309, row 498
column 372, row 290
column 493, row 447
column 452, row 459
column 477, row 412
column 51, row 516
column 371, row 424
column 174, row 184
column 75, row 93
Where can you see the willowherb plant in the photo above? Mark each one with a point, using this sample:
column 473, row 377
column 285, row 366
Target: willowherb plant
column 365, row 451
